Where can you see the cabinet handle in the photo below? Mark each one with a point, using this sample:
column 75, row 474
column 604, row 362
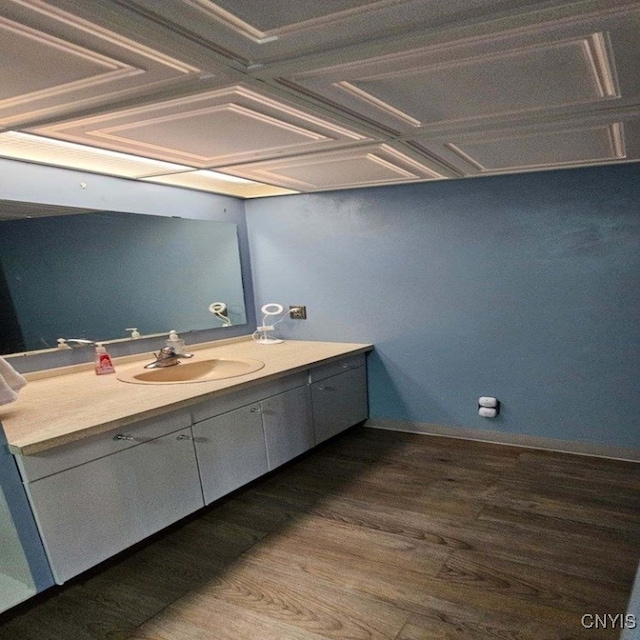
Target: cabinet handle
column 184, row 436
column 121, row 436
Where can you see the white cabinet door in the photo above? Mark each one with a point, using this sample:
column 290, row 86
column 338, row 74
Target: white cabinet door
column 231, row 451
column 91, row 512
column 339, row 402
column 287, row 423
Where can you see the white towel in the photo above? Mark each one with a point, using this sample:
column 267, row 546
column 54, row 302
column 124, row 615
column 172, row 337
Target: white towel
column 10, row 382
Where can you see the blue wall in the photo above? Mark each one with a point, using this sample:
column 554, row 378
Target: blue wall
column 523, row 287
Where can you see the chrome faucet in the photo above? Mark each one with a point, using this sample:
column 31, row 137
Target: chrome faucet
column 167, row 357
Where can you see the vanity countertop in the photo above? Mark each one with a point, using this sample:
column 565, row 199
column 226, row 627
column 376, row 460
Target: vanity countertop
column 56, row 410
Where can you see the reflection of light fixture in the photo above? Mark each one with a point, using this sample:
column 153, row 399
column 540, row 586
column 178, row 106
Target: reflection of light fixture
column 261, row 334
column 220, row 311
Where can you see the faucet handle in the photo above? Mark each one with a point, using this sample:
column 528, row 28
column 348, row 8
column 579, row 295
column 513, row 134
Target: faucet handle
column 167, row 357
column 170, row 352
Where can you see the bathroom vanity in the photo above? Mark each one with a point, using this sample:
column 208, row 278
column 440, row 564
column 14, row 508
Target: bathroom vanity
column 106, row 463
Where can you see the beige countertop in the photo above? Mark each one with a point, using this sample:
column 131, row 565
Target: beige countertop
column 56, row 410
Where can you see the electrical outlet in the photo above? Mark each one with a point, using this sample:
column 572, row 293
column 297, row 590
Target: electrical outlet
column 297, row 312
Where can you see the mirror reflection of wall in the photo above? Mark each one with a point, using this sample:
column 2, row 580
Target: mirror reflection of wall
column 93, row 275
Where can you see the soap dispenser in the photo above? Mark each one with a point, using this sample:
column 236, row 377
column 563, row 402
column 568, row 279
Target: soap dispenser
column 175, row 342
column 103, row 363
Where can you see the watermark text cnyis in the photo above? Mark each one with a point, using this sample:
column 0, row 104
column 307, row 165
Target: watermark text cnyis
column 609, row 621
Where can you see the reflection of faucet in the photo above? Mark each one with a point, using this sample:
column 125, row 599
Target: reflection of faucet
column 65, row 342
column 167, row 357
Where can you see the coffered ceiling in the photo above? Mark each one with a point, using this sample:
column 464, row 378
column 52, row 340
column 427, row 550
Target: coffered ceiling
column 255, row 98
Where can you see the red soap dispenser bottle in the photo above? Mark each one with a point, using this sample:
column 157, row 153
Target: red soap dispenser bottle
column 103, row 360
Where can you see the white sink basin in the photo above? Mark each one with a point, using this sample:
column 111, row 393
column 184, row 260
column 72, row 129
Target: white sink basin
column 198, row 371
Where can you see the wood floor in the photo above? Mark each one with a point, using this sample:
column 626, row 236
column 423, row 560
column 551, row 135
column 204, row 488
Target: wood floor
column 377, row 535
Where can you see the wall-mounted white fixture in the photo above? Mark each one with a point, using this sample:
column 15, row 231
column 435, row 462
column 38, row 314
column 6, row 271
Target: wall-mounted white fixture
column 221, row 311
column 488, row 407
column 135, row 334
column 261, row 334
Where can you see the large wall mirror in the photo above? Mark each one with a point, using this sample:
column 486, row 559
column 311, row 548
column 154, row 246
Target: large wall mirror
column 95, row 274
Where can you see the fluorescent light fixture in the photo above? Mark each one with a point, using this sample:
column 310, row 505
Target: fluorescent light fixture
column 61, row 153
column 26, row 146
column 225, row 176
column 212, row 181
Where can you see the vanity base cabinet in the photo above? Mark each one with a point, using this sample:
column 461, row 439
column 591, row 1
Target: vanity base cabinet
column 288, row 427
column 95, row 497
column 339, row 402
column 239, row 446
column 231, row 451
column 90, row 512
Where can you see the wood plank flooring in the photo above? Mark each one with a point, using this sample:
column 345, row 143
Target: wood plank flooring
column 375, row 536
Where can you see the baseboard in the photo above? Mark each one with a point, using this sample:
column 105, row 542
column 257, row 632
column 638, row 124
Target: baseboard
column 508, row 439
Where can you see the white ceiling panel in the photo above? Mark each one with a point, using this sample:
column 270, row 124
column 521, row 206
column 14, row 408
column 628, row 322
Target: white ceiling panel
column 262, row 32
column 207, row 129
column 565, row 65
column 53, row 62
column 555, row 74
column 592, row 141
column 587, row 145
column 279, row 16
column 344, row 169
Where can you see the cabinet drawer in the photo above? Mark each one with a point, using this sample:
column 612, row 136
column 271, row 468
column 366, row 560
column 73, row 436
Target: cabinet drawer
column 230, row 401
column 337, row 366
column 70, row 455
